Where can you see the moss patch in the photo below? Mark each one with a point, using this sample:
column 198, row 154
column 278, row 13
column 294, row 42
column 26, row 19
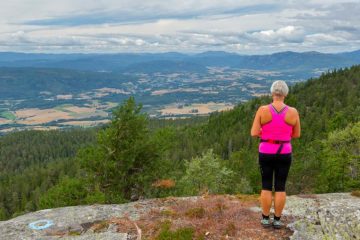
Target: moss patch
column 197, row 212
column 184, row 233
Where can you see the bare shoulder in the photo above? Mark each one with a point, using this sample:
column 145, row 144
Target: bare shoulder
column 263, row 108
column 260, row 110
column 293, row 111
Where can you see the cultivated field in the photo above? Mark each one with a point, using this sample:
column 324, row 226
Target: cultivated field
column 194, row 109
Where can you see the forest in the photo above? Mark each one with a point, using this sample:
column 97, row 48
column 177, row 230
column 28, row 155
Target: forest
column 135, row 157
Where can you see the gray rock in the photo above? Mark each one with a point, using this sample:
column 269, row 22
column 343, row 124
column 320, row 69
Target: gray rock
column 334, row 216
column 97, row 236
column 327, row 216
column 321, row 216
column 75, row 219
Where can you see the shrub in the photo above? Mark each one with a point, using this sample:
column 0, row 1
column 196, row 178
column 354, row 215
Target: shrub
column 205, row 173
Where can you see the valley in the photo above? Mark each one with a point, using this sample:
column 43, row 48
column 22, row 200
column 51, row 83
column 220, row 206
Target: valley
column 38, row 91
column 165, row 95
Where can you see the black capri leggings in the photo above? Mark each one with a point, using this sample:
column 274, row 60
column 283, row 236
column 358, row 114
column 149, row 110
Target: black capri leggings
column 274, row 164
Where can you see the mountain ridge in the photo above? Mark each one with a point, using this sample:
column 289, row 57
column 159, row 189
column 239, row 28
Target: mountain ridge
column 121, row 61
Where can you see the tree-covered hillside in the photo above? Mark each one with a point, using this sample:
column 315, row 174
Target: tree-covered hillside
column 33, row 161
column 132, row 158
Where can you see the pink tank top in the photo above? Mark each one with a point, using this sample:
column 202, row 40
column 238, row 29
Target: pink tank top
column 276, row 129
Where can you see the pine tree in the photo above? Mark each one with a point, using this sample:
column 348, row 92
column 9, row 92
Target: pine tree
column 122, row 162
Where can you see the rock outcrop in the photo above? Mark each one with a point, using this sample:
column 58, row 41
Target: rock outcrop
column 322, row 216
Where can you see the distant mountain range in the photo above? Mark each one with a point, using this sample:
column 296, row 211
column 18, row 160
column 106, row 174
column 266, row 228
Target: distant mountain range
column 179, row 62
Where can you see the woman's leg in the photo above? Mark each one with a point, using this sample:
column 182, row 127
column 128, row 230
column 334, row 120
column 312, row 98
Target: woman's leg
column 266, row 200
column 282, row 167
column 266, row 169
column 279, row 203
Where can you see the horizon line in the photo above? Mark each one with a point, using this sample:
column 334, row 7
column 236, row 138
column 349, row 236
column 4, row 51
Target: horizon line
column 168, row 52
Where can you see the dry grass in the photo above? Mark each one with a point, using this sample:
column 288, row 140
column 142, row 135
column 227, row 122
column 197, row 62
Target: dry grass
column 101, row 226
column 168, row 212
column 164, row 183
column 247, row 197
column 355, row 193
column 211, row 217
column 124, row 225
column 197, row 212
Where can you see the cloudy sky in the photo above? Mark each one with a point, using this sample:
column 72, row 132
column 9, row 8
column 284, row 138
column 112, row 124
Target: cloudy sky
column 242, row 26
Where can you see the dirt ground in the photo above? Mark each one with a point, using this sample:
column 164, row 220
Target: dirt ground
column 212, row 217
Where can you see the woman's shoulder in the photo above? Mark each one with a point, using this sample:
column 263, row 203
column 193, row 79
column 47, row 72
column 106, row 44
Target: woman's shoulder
column 264, row 110
column 293, row 111
column 263, row 107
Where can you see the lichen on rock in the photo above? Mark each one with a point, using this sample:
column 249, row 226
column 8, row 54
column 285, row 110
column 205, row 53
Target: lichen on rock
column 321, row 216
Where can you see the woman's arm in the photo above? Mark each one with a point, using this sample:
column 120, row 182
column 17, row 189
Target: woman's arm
column 256, row 127
column 296, row 128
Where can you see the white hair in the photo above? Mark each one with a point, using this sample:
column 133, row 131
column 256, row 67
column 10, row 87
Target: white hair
column 279, row 88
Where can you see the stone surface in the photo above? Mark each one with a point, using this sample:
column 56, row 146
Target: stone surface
column 331, row 216
column 328, row 216
column 71, row 219
column 322, row 216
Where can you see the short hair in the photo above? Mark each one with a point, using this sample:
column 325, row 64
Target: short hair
column 279, row 87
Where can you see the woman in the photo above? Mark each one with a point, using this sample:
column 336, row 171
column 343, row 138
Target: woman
column 275, row 124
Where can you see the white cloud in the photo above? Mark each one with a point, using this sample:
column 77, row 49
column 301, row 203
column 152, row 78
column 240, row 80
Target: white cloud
column 324, row 39
column 187, row 26
column 283, row 34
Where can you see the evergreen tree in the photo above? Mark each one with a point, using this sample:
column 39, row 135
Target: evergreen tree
column 123, row 161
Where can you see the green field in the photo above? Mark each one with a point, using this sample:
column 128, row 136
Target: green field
column 8, row 115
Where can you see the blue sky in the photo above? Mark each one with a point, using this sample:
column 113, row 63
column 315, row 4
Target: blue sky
column 245, row 27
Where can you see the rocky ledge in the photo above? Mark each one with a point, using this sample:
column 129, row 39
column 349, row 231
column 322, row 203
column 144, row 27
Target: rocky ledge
column 321, row 216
